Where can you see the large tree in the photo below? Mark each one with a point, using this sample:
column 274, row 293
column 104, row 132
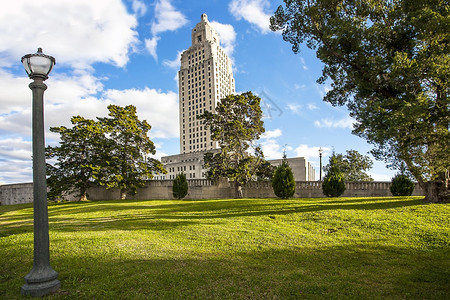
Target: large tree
column 111, row 151
column 388, row 61
column 236, row 125
column 76, row 159
column 353, row 165
column 127, row 151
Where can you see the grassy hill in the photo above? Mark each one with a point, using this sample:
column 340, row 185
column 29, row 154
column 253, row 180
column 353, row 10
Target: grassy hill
column 353, row 248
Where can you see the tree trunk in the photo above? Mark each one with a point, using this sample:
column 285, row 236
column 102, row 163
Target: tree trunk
column 238, row 189
column 123, row 194
column 437, row 191
column 83, row 196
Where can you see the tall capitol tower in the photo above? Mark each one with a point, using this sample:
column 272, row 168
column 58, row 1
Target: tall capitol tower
column 205, row 77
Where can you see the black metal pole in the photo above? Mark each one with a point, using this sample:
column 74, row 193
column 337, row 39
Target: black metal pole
column 42, row 279
column 320, row 171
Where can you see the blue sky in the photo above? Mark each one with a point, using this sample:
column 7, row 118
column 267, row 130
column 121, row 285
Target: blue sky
column 127, row 52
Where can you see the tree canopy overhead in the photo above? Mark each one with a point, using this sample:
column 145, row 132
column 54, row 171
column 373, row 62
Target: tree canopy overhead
column 388, row 61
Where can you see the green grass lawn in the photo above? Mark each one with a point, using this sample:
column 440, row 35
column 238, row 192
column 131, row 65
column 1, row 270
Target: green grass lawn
column 338, row 248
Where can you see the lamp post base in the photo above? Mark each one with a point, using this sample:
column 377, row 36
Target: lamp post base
column 41, row 283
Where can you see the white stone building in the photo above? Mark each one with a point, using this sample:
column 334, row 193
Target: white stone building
column 205, row 77
column 301, row 168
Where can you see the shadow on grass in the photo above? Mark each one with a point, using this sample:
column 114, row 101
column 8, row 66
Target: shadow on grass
column 240, row 207
column 377, row 272
column 152, row 215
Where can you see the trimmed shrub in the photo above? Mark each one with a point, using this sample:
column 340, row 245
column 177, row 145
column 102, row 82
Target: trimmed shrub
column 333, row 184
column 402, row 186
column 180, row 186
column 283, row 182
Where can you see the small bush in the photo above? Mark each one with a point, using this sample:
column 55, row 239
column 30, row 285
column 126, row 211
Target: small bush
column 180, row 186
column 333, row 184
column 402, row 185
column 283, row 182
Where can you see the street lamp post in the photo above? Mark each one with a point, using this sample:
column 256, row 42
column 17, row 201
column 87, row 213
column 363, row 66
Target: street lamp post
column 320, row 156
column 42, row 279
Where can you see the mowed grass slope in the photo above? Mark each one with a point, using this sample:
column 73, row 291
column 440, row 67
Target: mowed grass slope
column 353, row 248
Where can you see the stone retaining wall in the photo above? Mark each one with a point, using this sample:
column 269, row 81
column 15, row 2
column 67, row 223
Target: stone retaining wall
column 205, row 189
column 16, row 193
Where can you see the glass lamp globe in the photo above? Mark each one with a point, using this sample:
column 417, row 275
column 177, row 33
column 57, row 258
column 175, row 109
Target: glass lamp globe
column 38, row 64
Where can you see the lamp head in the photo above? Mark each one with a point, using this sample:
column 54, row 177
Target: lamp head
column 38, row 65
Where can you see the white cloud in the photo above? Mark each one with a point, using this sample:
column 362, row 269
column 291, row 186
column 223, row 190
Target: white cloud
column 14, row 171
column 176, row 63
column 302, row 60
column 311, row 152
column 167, row 18
column 15, row 92
column 271, row 149
column 65, row 97
column 253, row 11
column 299, row 87
column 227, row 36
column 15, row 148
column 380, row 177
column 150, row 45
column 99, row 31
column 139, row 8
column 159, row 153
column 270, row 134
column 346, row 122
column 295, row 108
column 323, row 89
column 312, row 106
column 159, row 109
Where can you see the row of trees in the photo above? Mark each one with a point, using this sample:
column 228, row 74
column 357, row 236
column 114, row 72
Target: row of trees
column 283, row 182
column 341, row 168
column 237, row 126
column 111, row 151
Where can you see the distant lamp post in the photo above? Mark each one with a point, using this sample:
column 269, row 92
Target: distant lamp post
column 320, row 170
column 42, row 279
